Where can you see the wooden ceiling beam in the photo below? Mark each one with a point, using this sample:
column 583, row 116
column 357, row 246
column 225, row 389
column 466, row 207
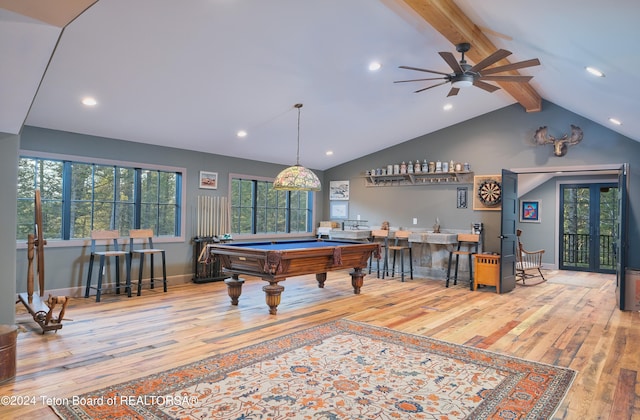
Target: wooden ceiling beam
column 448, row 19
column 58, row 13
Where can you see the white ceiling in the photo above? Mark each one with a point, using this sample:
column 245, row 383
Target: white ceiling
column 190, row 74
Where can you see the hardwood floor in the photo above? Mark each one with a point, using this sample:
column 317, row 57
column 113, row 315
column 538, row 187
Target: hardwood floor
column 571, row 320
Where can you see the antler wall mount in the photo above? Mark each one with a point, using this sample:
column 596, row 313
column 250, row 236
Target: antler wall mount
column 560, row 145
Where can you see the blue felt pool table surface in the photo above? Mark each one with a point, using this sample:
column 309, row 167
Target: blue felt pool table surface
column 289, row 245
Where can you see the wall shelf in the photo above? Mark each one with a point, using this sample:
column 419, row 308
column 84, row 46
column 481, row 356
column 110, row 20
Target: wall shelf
column 420, row 178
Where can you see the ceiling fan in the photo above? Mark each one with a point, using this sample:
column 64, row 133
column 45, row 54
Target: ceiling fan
column 465, row 74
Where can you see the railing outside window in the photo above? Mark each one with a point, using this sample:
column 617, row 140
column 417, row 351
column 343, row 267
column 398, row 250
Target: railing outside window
column 576, row 250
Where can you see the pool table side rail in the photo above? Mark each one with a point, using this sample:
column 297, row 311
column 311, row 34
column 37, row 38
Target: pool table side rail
column 292, row 262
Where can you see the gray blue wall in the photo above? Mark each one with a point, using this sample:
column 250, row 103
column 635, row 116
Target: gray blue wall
column 501, row 139
column 66, row 266
column 9, row 175
column 491, row 142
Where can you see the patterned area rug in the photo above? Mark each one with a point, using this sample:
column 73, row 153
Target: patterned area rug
column 338, row 370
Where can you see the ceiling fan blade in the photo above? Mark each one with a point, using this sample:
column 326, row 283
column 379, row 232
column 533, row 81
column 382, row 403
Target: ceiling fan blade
column 453, row 92
column 506, row 78
column 496, row 56
column 512, row 66
column 419, row 80
column 451, row 61
column 485, row 86
column 425, row 70
column 439, row 84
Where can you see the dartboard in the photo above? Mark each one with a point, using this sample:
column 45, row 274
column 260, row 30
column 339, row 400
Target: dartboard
column 490, row 192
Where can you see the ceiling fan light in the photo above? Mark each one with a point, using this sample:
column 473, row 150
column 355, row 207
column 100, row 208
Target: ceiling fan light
column 462, row 83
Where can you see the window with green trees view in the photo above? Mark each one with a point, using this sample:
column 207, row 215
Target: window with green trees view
column 256, row 208
column 78, row 197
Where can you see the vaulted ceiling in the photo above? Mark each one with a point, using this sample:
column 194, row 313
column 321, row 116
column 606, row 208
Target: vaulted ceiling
column 192, row 74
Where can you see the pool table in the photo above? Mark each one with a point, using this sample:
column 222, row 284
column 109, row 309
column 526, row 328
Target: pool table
column 274, row 261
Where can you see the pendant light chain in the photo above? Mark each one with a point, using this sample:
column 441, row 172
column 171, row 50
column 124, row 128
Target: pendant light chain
column 298, row 152
column 297, row 178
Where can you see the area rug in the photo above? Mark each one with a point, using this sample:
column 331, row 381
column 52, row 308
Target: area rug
column 337, row 370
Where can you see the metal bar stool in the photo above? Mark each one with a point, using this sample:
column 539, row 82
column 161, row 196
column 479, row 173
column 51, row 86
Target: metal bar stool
column 398, row 247
column 381, row 236
column 107, row 238
column 146, row 235
column 470, row 241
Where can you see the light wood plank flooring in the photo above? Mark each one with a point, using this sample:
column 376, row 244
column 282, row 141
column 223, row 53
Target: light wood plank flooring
column 571, row 321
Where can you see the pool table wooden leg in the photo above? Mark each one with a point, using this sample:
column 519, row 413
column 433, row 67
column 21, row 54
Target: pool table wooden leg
column 321, row 278
column 234, row 288
column 357, row 280
column 273, row 292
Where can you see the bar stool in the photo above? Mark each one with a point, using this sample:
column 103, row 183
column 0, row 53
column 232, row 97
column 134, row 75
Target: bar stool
column 382, row 237
column 107, row 238
column 398, row 247
column 147, row 249
column 470, row 241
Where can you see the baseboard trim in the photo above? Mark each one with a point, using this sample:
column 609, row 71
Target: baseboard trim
column 78, row 291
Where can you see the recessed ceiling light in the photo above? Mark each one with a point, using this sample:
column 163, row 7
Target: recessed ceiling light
column 329, row 152
column 595, row 71
column 241, row 133
column 374, row 66
column 89, row 101
column 615, row 121
column 447, row 107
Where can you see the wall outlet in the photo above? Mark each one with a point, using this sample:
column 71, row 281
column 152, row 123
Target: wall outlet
column 415, row 220
column 358, row 217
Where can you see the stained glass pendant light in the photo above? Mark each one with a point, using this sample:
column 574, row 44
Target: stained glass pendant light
column 297, row 178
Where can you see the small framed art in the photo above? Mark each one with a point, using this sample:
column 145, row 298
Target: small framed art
column 209, row 180
column 339, row 209
column 530, row 211
column 339, row 190
column 461, row 200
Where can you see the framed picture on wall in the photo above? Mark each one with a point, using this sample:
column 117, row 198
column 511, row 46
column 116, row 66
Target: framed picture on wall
column 461, row 199
column 530, row 211
column 338, row 190
column 339, row 210
column 209, row 180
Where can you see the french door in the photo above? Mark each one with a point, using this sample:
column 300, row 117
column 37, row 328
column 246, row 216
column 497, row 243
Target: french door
column 588, row 220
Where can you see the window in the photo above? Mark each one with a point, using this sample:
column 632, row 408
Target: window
column 256, row 208
column 78, row 197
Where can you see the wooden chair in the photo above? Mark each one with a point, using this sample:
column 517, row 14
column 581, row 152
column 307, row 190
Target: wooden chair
column 468, row 244
column 528, row 261
column 400, row 245
column 381, row 236
column 107, row 238
column 145, row 236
